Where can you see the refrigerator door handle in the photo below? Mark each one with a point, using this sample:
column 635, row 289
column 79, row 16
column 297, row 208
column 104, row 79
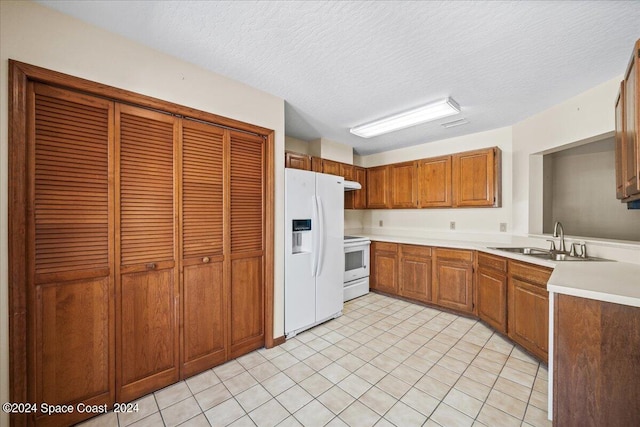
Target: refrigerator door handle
column 322, row 234
column 315, row 236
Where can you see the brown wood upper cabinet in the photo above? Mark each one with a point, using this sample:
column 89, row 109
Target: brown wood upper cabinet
column 297, row 161
column 404, row 192
column 434, row 182
column 316, row 164
column 477, row 178
column 357, row 199
column 360, row 196
column 331, row 167
column 384, row 267
column 491, row 290
column 627, row 112
column 347, row 171
column 415, row 275
column 528, row 317
column 378, row 187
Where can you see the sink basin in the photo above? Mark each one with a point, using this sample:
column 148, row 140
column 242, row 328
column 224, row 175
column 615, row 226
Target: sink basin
column 525, row 251
column 548, row 255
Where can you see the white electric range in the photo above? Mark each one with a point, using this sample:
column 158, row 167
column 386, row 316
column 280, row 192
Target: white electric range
column 356, row 266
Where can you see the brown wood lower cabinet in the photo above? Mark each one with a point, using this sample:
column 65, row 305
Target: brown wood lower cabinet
column 511, row 296
column 491, row 290
column 529, row 307
column 384, row 267
column 596, row 379
column 415, row 272
column 453, row 279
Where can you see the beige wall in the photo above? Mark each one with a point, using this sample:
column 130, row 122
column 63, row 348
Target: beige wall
column 587, row 116
column 296, row 145
column 331, row 150
column 582, row 196
column 37, row 35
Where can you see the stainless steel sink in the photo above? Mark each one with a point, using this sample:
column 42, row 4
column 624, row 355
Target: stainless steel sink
column 525, row 251
column 548, row 255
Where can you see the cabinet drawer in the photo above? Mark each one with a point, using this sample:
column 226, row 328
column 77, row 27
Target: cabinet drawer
column 386, row 247
column 492, row 261
column 530, row 273
column 423, row 251
column 455, row 254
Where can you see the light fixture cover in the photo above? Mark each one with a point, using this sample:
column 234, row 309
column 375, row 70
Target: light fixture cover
column 426, row 113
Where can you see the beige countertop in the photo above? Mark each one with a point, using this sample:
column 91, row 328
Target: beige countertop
column 610, row 281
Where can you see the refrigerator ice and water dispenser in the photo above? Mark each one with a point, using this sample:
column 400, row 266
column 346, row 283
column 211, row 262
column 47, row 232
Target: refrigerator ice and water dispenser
column 301, row 237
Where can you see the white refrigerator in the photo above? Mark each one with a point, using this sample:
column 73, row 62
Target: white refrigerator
column 314, row 249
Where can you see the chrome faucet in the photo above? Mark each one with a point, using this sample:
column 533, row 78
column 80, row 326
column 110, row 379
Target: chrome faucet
column 562, row 248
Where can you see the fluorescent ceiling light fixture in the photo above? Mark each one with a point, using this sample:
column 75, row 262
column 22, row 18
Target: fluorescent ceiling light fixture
column 426, row 113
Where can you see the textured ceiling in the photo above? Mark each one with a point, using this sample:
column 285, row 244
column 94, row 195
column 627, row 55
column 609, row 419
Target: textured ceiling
column 339, row 64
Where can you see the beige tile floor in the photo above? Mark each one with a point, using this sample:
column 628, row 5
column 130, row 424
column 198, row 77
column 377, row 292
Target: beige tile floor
column 384, row 362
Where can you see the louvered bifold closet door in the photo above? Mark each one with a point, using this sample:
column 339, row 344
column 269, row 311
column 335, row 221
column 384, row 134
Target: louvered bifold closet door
column 147, row 307
column 247, row 242
column 70, row 331
column 203, row 290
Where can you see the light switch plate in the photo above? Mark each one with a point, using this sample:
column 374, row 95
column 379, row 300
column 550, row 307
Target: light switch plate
column 452, row 225
column 503, row 227
column 380, row 223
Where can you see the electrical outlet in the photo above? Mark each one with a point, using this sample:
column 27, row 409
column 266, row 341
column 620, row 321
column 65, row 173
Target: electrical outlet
column 452, row 225
column 380, row 223
column 503, row 227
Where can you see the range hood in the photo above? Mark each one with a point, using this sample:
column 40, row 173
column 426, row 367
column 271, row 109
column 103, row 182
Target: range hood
column 351, row 185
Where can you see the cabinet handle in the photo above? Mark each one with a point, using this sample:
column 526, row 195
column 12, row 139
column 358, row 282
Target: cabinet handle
column 151, row 266
column 206, row 259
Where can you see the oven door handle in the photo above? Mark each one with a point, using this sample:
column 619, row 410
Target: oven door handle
column 356, row 244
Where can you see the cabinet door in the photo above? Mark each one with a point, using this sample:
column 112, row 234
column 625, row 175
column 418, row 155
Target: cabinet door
column 70, row 280
column 454, row 285
column 434, row 182
column 378, row 185
column 297, row 161
column 476, row 178
column 147, row 350
column 528, row 316
column 246, row 193
column 453, row 282
column 347, row 171
column 415, row 272
column 330, row 167
column 360, row 196
column 202, row 219
column 621, row 149
column 492, row 297
column 632, row 125
column 403, row 185
column 384, row 267
column 316, row 164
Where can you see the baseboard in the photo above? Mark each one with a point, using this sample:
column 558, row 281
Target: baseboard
column 279, row 340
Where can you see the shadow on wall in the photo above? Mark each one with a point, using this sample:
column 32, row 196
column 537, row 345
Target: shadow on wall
column 580, row 191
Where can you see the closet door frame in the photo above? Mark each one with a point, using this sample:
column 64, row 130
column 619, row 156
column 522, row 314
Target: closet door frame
column 20, row 74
